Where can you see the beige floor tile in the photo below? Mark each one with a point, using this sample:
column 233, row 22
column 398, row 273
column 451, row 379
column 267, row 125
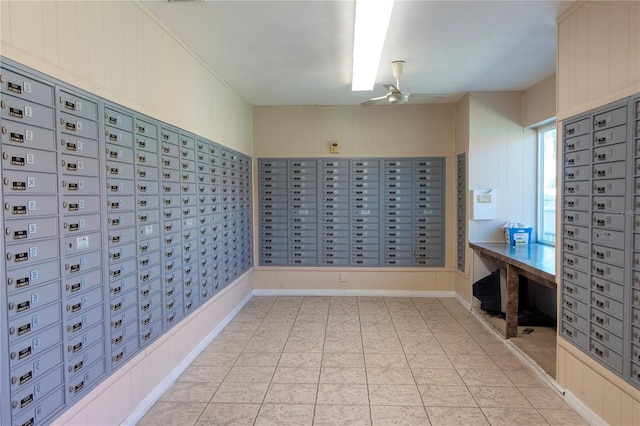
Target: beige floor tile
column 390, row 360
column 343, row 375
column 300, row 359
column 226, row 346
column 398, row 415
column 265, row 344
column 234, row 335
column 525, row 377
column 291, row 393
column 340, row 415
column 373, row 326
column 173, row 414
column 394, row 395
column 473, row 377
column 458, row 347
column 437, row 376
column 544, row 398
column 229, row 414
column 513, row 416
column 429, row 361
column 389, row 376
column 342, row 394
column 301, row 344
column 218, row 359
column 479, row 362
column 446, row 396
column 243, row 326
column 309, row 327
column 241, row 393
column 343, row 345
column 285, row 414
column 274, row 327
column 250, row 375
column 204, row 373
column 422, row 346
column 456, row 416
column 490, row 397
column 510, row 362
column 307, row 335
column 562, row 417
column 496, row 349
column 257, row 359
column 342, row 360
column 190, row 392
column 296, row 375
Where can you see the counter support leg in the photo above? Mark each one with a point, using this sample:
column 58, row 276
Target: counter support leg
column 511, row 323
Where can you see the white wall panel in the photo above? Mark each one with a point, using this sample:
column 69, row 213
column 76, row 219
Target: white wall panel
column 598, row 55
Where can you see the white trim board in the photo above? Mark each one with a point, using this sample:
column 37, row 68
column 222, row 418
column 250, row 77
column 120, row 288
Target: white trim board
column 168, row 381
column 583, row 411
column 339, row 292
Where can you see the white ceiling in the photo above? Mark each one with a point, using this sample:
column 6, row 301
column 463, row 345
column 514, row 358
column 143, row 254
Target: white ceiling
column 299, row 52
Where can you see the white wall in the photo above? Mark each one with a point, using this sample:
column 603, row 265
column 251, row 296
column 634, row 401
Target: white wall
column 117, row 49
column 540, row 102
column 502, row 157
column 381, row 131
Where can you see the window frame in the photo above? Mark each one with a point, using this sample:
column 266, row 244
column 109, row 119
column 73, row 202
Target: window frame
column 541, row 130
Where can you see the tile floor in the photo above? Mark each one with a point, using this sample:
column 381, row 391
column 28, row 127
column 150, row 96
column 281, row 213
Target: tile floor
column 358, row 361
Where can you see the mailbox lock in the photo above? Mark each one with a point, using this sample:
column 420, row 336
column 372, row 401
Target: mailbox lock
column 4, row 130
column 9, row 256
column 10, row 281
column 2, row 78
column 61, row 120
column 3, row 104
column 6, row 181
column 5, row 156
column 7, row 206
column 14, row 380
column 8, row 231
column 64, row 163
column 11, row 305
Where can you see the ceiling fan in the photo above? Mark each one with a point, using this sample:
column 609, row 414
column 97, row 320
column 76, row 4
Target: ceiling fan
column 394, row 95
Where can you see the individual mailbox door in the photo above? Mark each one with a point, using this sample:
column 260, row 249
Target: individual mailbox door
column 77, row 105
column 12, row 108
column 80, row 283
column 26, row 135
column 19, row 182
column 21, row 303
column 27, row 159
column 86, row 380
column 75, row 125
column 119, row 153
column 19, row 230
column 30, row 323
column 32, row 275
column 30, row 253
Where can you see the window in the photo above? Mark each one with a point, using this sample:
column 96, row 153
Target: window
column 547, row 184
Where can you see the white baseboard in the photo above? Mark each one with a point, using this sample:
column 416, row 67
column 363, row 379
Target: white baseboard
column 351, row 292
column 463, row 302
column 168, row 381
column 585, row 412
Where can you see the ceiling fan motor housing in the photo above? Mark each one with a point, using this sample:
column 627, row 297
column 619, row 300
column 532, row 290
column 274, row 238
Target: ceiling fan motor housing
column 398, row 98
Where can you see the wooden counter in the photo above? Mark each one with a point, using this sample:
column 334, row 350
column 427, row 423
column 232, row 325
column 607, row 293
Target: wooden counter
column 534, row 261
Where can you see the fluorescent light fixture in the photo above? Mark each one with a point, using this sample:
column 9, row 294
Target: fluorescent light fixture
column 372, row 22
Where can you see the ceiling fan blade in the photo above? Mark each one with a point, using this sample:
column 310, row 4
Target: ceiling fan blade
column 373, row 101
column 431, row 95
column 391, row 88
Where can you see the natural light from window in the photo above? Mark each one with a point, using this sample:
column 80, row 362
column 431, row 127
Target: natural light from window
column 547, row 186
